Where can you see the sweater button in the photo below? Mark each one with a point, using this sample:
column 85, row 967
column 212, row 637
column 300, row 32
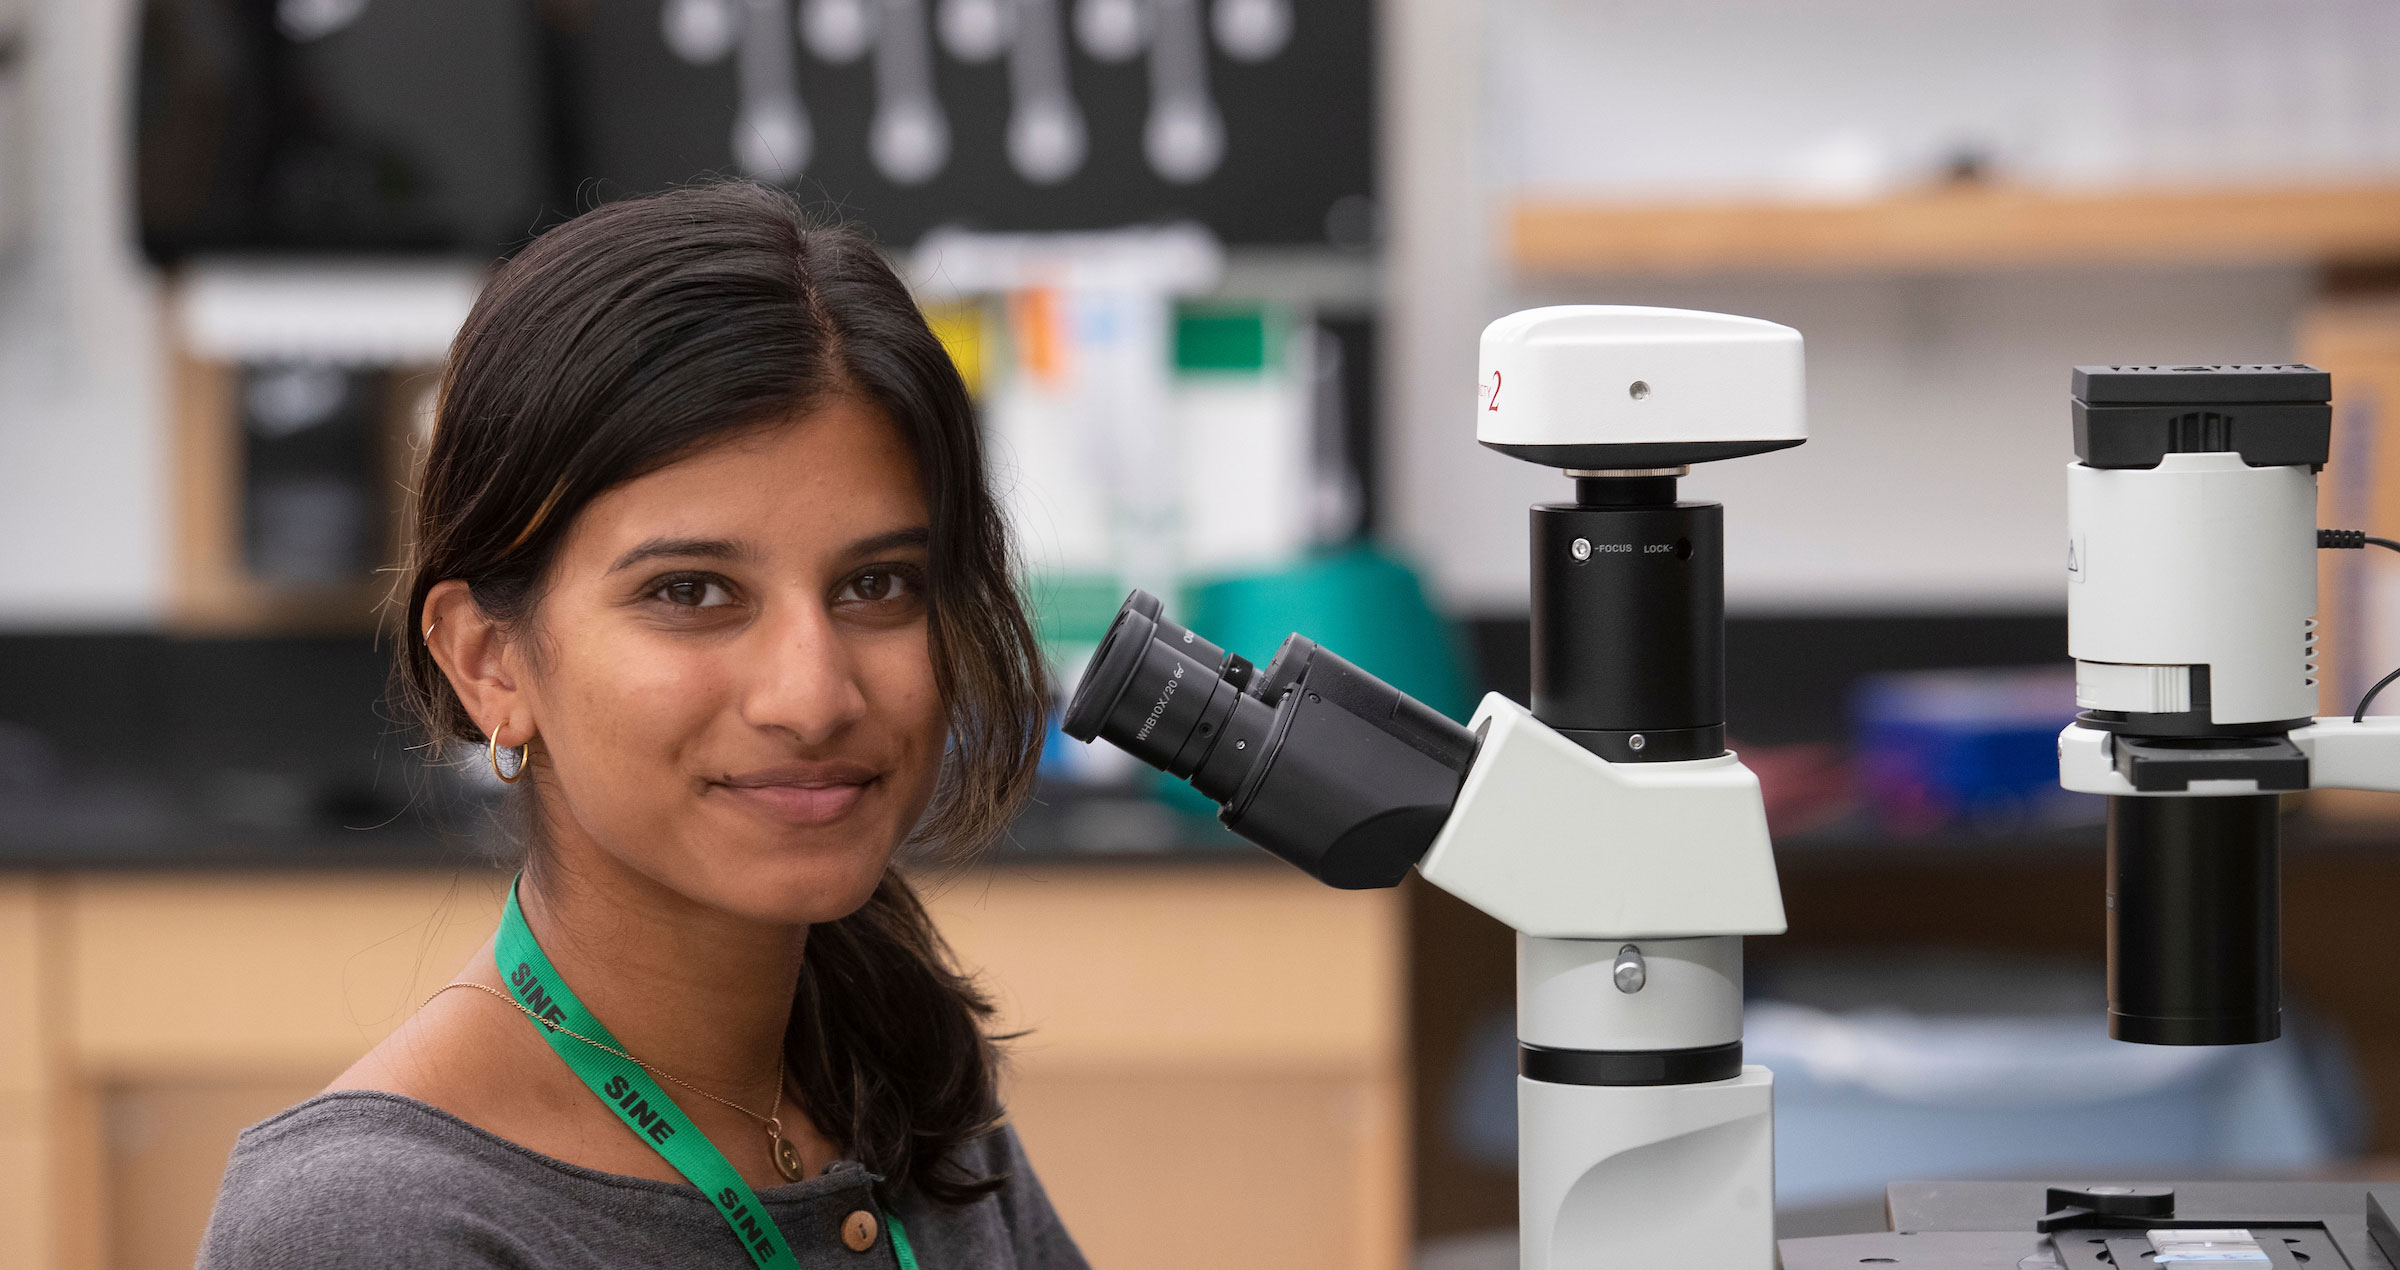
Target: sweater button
column 858, row 1231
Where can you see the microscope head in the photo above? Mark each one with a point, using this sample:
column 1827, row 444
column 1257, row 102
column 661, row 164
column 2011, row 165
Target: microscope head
column 1603, row 387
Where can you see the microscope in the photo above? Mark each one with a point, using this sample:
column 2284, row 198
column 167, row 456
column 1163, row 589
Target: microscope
column 2192, row 618
column 1607, row 824
column 1610, row 828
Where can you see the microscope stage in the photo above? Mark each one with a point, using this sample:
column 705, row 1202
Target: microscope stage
column 1991, row 1226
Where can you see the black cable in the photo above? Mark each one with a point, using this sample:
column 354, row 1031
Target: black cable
column 2352, row 540
column 2360, row 715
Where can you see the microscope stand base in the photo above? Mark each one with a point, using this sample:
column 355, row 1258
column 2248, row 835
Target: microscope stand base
column 1647, row 1175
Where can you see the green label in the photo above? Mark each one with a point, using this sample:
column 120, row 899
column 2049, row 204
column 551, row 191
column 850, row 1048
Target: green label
column 637, row 1099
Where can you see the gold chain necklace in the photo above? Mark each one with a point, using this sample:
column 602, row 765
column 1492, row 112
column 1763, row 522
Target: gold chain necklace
column 780, row 1148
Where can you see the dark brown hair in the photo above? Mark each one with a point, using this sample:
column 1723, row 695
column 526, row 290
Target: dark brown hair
column 639, row 333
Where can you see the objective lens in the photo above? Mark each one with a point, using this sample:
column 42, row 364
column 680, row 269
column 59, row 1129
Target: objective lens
column 2194, row 934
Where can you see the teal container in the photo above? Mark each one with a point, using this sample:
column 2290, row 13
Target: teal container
column 1359, row 602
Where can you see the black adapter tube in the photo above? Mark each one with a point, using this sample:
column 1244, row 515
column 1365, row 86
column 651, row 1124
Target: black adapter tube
column 2194, row 920
column 1629, row 622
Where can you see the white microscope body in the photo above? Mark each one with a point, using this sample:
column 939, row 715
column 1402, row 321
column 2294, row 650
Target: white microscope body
column 1606, row 823
column 2192, row 589
column 1642, row 1139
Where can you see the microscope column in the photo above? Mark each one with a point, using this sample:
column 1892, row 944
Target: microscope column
column 1643, row 1140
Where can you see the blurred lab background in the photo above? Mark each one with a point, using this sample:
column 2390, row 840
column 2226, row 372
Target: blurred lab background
column 1215, row 271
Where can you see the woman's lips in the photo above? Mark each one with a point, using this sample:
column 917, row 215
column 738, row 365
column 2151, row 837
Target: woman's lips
column 806, row 794
column 803, row 804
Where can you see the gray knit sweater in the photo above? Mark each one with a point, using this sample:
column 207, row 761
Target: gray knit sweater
column 375, row 1181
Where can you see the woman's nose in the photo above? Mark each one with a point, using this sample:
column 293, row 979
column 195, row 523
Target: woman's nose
column 807, row 683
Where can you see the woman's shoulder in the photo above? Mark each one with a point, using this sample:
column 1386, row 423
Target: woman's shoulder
column 353, row 1176
column 349, row 1138
column 363, row 1177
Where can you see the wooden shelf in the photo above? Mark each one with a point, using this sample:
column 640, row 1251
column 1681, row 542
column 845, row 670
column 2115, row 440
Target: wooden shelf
column 1953, row 230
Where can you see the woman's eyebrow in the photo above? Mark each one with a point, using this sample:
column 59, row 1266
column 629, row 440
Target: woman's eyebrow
column 704, row 548
column 917, row 537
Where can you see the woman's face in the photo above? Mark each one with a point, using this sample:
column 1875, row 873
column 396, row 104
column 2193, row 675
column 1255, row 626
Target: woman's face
column 731, row 679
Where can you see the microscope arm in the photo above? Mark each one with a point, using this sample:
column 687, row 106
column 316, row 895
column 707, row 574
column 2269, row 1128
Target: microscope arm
column 2333, row 753
column 2343, row 754
column 1642, row 1138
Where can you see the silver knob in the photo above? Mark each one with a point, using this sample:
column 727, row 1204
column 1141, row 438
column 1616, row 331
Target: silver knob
column 1631, row 971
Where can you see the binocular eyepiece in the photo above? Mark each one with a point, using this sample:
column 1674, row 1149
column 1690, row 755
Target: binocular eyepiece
column 1313, row 758
column 1172, row 700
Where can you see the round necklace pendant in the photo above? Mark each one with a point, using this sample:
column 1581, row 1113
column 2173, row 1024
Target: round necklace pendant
column 787, row 1157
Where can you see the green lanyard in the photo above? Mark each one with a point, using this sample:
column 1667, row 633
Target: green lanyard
column 639, row 1102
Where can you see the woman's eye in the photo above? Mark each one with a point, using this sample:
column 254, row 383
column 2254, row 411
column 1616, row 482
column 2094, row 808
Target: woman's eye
column 879, row 586
column 694, row 593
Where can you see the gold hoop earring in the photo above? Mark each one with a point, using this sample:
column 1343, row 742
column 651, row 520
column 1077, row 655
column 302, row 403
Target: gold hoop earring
column 524, row 756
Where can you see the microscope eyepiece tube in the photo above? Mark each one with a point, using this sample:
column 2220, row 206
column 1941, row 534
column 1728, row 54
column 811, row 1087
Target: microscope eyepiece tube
column 1314, row 759
column 2194, row 939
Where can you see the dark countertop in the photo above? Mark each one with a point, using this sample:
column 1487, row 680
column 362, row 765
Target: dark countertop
column 144, row 751
column 246, row 821
column 253, row 822
column 395, row 852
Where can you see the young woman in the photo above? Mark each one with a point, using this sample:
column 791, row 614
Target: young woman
column 705, row 561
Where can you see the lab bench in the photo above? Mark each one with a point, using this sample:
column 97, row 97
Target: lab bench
column 1213, row 1069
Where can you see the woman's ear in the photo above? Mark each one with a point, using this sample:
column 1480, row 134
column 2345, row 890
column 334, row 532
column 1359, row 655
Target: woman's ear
column 485, row 667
